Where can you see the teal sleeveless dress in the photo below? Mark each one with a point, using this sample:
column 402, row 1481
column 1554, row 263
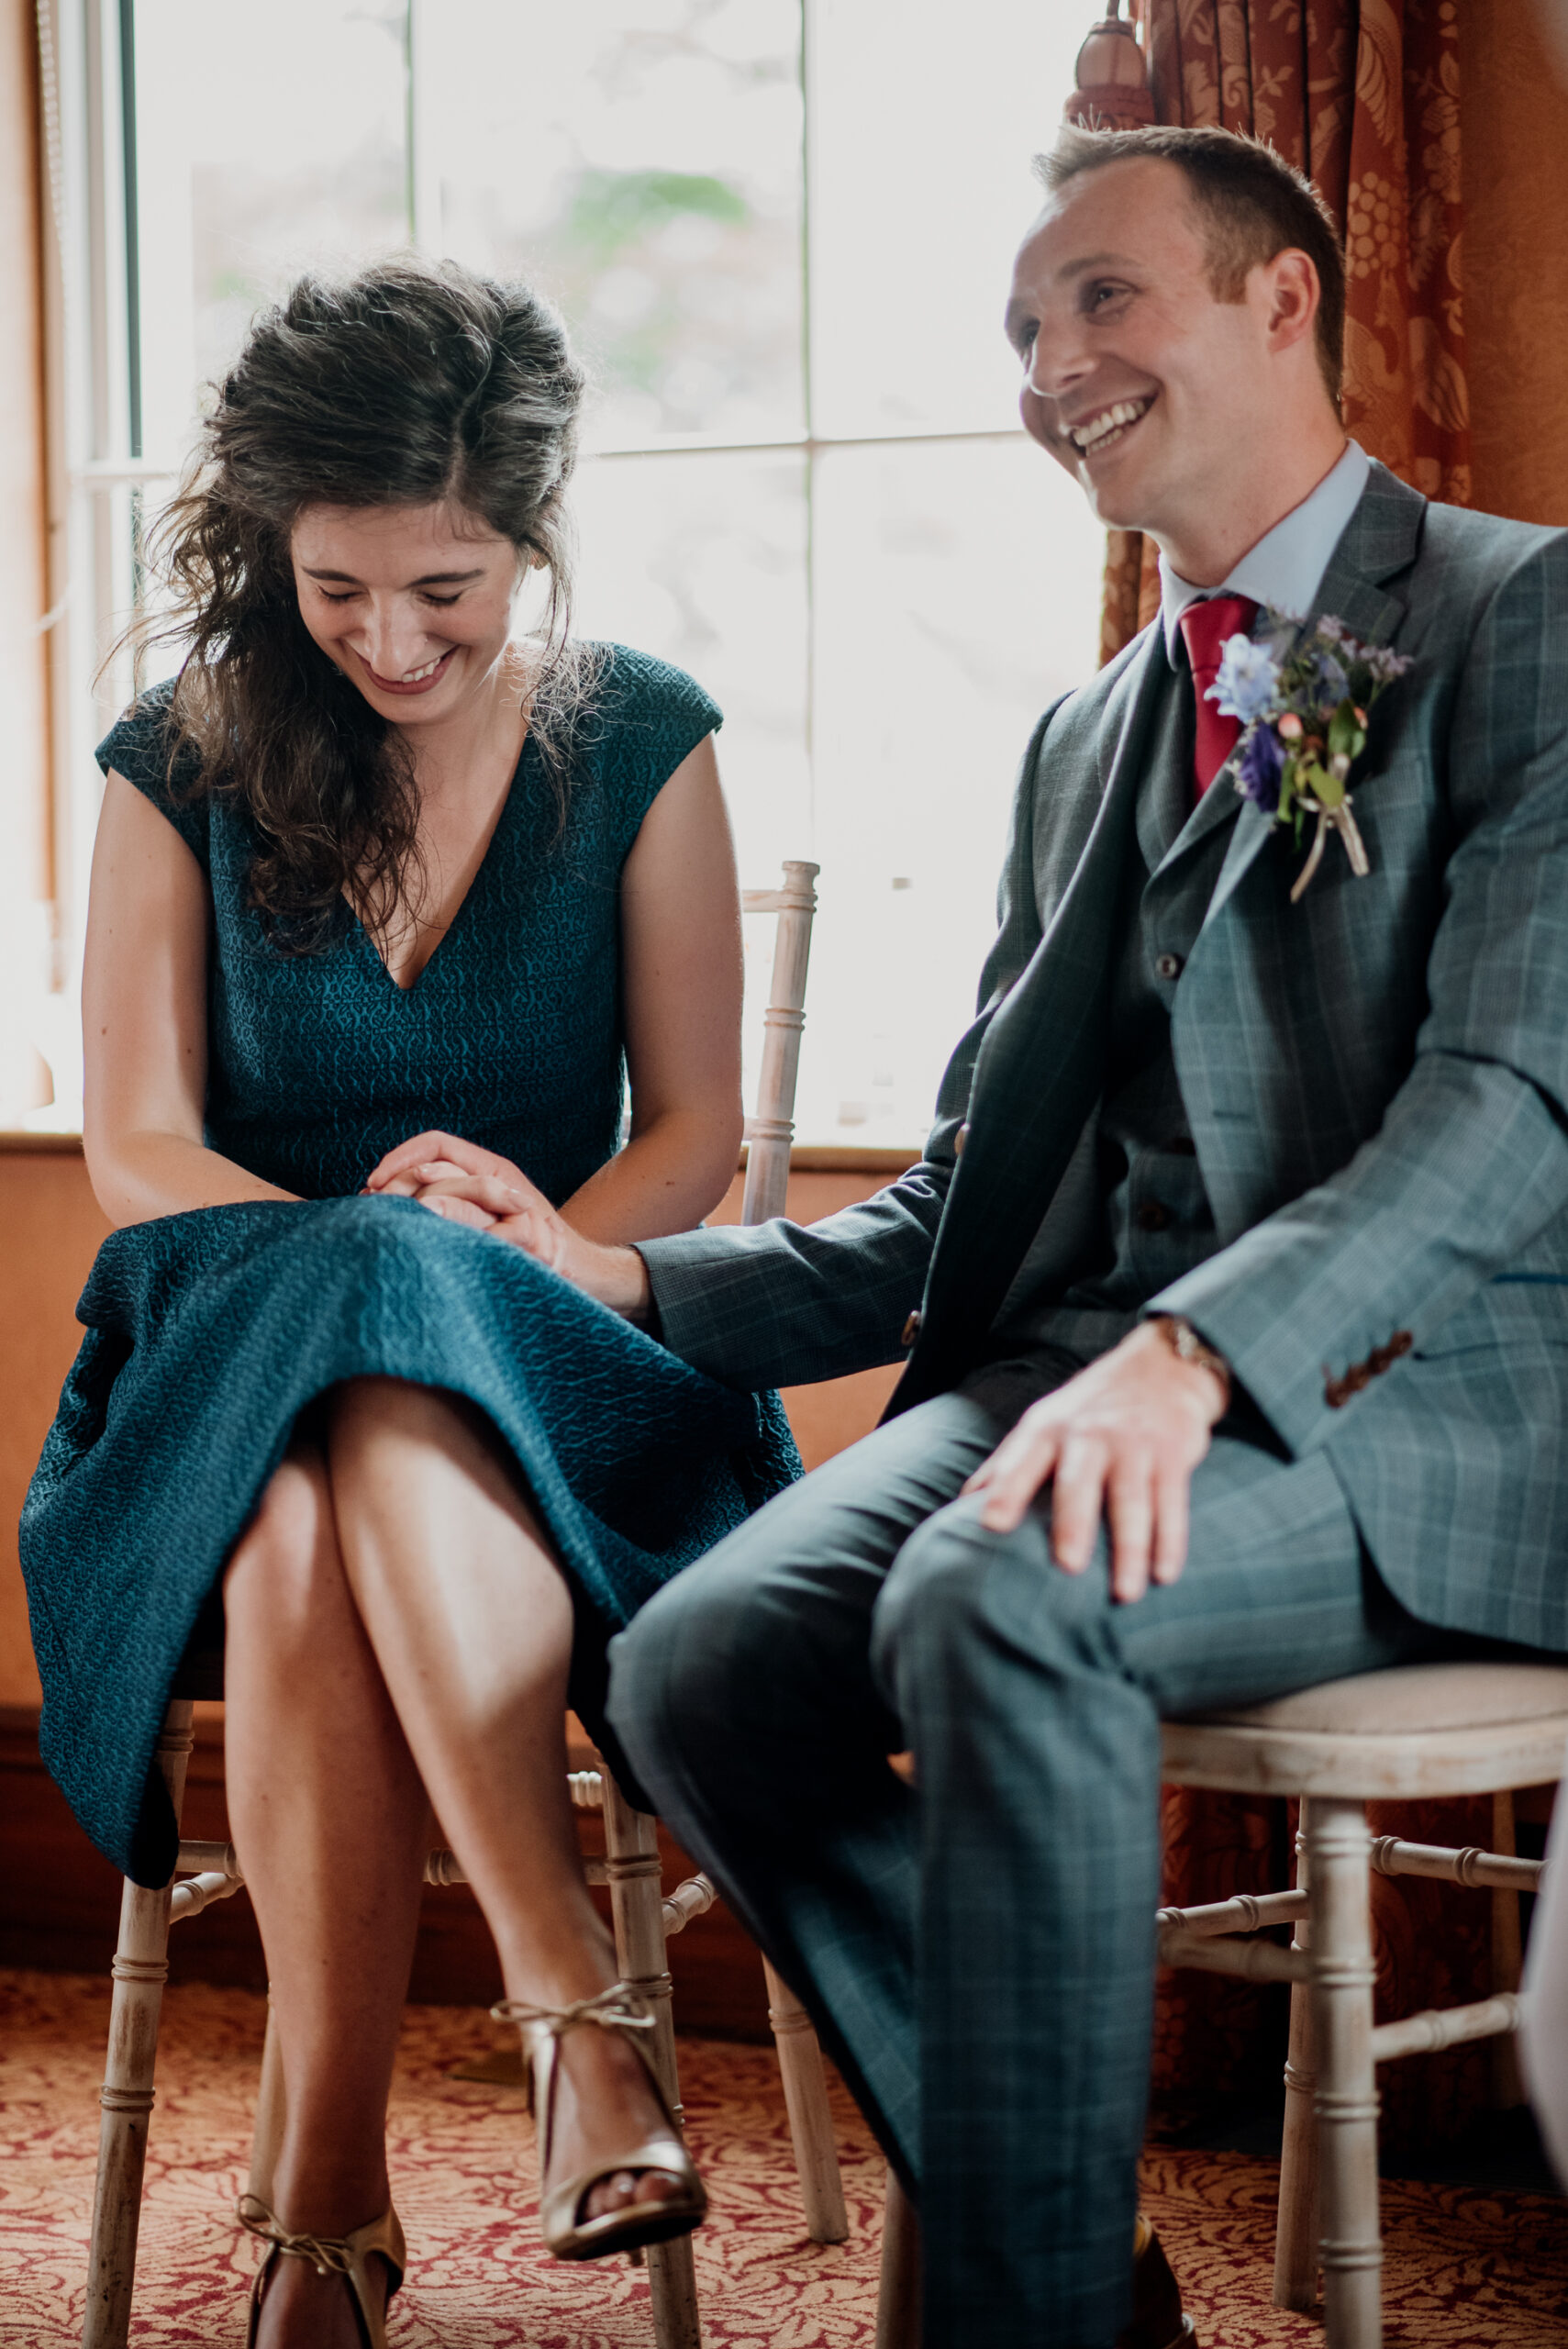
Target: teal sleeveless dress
column 209, row 1333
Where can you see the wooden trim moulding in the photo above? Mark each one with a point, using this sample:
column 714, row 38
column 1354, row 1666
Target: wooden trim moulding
column 14, row 1145
column 805, row 1158
column 835, row 1158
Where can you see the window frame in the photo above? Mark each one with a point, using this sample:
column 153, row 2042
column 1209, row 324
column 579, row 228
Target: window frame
column 99, row 472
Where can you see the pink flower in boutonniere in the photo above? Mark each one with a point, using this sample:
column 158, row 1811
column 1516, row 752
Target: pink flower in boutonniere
column 1304, row 717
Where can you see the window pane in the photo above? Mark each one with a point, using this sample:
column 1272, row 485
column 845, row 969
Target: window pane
column 642, row 159
column 920, row 189
column 701, row 559
column 957, row 593
column 267, row 140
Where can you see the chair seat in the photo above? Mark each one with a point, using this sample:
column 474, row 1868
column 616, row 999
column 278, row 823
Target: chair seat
column 1417, row 1729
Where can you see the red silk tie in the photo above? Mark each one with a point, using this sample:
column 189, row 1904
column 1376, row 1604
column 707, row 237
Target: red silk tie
column 1205, row 629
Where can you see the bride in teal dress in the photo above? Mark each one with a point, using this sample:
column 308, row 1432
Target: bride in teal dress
column 370, row 872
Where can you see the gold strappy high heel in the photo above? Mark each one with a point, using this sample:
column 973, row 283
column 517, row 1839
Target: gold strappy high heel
column 566, row 2234
column 342, row 2256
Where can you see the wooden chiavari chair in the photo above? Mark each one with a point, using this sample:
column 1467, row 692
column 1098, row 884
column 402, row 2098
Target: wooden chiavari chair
column 643, row 1917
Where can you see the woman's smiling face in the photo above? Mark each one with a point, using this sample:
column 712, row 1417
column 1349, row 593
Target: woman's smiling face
column 413, row 603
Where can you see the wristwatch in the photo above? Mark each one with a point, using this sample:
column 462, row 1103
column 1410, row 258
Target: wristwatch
column 1188, row 1346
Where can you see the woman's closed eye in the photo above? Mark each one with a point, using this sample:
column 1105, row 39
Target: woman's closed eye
column 351, row 594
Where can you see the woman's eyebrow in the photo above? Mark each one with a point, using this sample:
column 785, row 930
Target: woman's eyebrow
column 426, row 579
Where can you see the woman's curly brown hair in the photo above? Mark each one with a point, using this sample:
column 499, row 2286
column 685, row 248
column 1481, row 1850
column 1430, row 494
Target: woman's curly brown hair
column 409, row 383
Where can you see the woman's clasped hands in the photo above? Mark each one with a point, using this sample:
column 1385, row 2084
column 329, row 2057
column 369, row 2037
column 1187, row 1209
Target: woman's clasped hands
column 466, row 1185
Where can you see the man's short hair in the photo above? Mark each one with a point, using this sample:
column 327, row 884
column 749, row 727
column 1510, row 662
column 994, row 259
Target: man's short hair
column 1252, row 203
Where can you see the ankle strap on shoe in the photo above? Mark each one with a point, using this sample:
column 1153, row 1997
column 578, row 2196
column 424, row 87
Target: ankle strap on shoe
column 614, row 2009
column 329, row 2255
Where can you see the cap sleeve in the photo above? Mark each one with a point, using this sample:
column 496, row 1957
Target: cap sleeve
column 138, row 746
column 646, row 717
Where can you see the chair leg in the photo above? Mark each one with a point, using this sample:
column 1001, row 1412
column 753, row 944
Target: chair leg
column 271, row 2111
column 810, row 2121
column 140, row 1970
column 1338, row 1859
column 898, row 2296
column 637, row 1904
column 1507, row 1960
column 1296, row 2230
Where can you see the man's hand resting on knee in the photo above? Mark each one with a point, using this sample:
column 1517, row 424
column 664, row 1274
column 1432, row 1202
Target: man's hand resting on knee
column 458, row 1180
column 1120, row 1440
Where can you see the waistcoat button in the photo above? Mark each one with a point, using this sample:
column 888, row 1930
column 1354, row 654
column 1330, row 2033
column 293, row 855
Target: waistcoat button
column 959, row 1139
column 1153, row 1215
column 910, row 1331
column 1167, row 966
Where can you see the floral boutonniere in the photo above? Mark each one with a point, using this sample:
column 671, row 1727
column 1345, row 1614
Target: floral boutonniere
column 1304, row 715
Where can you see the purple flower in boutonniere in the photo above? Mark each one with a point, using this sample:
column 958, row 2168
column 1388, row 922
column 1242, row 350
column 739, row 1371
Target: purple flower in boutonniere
column 1305, row 715
column 1259, row 760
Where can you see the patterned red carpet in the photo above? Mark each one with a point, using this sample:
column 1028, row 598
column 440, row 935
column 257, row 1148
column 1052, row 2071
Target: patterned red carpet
column 1465, row 2270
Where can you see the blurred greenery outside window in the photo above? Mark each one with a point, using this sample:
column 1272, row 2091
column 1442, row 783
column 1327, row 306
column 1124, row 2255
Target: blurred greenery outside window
column 781, row 231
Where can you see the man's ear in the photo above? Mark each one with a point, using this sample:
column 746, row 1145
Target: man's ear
column 1293, row 293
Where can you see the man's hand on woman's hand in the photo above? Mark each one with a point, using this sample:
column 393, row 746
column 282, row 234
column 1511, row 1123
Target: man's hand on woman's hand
column 1120, row 1440
column 466, row 1185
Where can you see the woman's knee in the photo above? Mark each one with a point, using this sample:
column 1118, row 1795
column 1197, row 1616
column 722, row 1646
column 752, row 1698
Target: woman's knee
column 378, row 1403
column 286, row 1570
column 378, row 1424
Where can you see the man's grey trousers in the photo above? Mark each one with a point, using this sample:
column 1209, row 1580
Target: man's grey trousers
column 979, row 1954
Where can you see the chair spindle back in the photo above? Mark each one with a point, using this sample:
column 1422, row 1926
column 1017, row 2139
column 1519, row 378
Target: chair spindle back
column 771, row 1132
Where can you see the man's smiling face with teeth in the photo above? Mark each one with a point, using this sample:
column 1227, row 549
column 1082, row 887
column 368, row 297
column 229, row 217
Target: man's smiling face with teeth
column 1155, row 396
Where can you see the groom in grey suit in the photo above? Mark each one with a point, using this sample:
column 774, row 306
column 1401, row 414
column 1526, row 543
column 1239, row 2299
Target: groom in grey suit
column 1232, row 1283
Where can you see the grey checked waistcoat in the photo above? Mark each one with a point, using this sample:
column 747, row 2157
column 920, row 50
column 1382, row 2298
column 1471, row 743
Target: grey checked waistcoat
column 1146, row 1217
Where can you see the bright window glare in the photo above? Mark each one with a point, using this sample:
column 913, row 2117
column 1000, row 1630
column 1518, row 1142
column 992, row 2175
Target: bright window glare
column 920, row 189
column 782, row 238
column 656, row 193
column 956, row 596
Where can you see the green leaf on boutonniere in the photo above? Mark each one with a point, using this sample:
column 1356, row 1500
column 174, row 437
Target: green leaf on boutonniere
column 1347, row 735
column 1323, row 784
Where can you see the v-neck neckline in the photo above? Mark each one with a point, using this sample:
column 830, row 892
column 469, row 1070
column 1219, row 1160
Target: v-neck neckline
column 481, row 873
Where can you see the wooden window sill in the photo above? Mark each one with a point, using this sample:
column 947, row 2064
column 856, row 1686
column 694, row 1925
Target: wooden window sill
column 805, row 1158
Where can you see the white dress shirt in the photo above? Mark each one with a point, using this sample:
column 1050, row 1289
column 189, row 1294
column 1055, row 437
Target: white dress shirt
column 1285, row 568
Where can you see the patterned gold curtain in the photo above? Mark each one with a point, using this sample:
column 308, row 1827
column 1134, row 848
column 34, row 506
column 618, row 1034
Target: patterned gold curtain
column 1364, row 95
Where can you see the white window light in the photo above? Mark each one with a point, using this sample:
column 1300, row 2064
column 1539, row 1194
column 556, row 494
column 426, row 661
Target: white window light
column 782, row 241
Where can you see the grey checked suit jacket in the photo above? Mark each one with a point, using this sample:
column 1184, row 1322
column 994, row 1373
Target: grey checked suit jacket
column 1377, row 1080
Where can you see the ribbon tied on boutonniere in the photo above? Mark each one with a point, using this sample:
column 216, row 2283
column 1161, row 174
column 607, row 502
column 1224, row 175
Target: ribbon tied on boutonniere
column 1304, row 715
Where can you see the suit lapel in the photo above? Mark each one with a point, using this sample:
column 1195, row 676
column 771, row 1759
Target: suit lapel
column 1040, row 1067
column 1379, row 540
column 1165, row 800
column 1217, row 806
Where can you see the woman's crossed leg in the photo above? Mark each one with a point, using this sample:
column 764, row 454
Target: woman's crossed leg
column 398, row 1636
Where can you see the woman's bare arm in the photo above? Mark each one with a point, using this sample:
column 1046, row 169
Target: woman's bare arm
column 144, row 1023
column 681, row 982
